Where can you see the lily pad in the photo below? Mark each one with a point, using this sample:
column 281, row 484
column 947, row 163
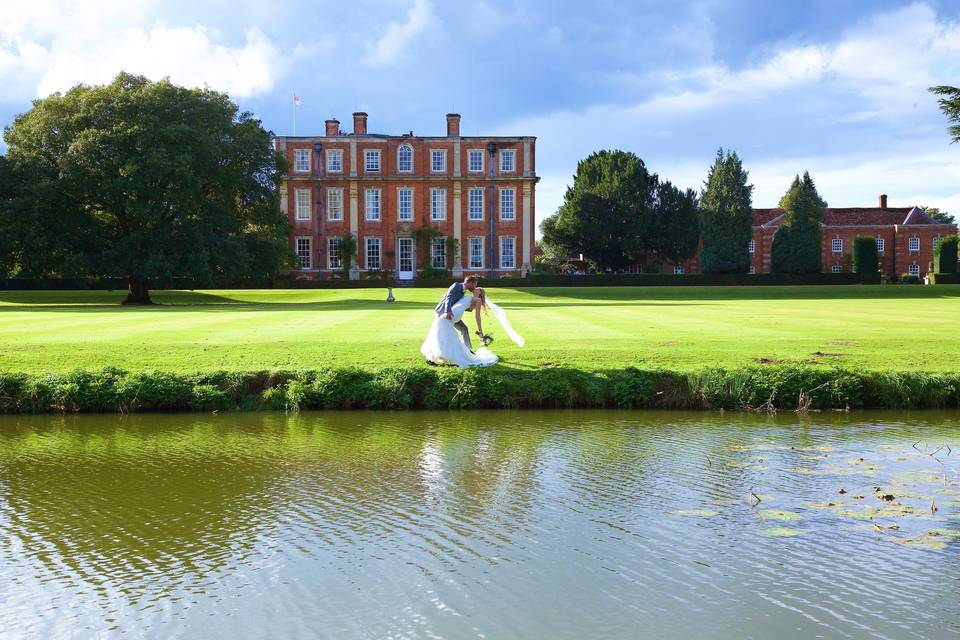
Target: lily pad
column 777, row 514
column 696, row 513
column 780, row 532
column 925, row 541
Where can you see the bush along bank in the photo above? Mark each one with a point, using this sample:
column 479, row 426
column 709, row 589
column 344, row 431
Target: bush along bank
column 766, row 388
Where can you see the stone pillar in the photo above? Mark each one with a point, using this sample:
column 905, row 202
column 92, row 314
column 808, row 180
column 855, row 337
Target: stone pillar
column 457, row 268
column 353, row 157
column 283, row 199
column 527, row 227
column 527, row 159
column 355, row 228
column 456, row 159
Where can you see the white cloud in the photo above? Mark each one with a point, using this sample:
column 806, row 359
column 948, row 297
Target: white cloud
column 47, row 47
column 395, row 41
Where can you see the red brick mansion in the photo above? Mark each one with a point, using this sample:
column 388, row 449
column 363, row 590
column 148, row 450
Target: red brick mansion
column 381, row 188
column 905, row 236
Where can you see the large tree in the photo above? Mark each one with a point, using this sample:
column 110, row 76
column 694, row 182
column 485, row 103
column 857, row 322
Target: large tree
column 796, row 245
column 147, row 181
column 726, row 212
column 618, row 213
column 950, row 105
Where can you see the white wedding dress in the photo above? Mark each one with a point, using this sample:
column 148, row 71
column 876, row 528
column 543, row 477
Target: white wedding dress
column 444, row 345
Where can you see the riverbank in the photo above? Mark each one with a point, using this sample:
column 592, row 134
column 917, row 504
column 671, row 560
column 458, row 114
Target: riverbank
column 762, row 388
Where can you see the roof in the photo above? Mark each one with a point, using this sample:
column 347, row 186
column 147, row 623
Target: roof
column 853, row 216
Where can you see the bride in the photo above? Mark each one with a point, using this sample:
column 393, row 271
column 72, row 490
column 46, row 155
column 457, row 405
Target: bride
column 443, row 344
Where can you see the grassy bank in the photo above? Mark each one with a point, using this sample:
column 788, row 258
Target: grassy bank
column 681, row 329
column 753, row 388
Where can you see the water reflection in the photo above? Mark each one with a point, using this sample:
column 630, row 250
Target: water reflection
column 534, row 524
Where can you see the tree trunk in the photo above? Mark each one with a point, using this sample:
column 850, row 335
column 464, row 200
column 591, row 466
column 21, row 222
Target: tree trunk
column 137, row 292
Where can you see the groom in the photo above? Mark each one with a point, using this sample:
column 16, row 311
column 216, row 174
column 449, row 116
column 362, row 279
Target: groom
column 450, row 298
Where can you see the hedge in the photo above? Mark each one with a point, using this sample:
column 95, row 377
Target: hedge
column 944, row 278
column 115, row 390
column 945, row 255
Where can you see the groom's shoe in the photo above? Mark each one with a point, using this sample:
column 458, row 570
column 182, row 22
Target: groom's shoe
column 432, row 363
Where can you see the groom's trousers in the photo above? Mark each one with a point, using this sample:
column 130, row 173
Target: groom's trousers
column 465, row 332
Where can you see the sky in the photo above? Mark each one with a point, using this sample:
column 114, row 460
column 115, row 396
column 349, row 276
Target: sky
column 835, row 87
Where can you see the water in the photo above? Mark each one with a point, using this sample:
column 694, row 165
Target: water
column 479, row 525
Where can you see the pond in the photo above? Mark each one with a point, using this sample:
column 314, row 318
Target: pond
column 480, row 525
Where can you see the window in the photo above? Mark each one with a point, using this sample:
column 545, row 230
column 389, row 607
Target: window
column 678, row 269
column 373, row 253
column 475, row 160
column 372, row 208
column 508, row 160
column 476, row 253
column 914, row 244
column 752, row 247
column 508, row 209
column 836, row 269
column 753, row 269
column 936, row 242
column 914, row 269
column 881, row 244
column 405, row 158
column 475, row 204
column 334, row 204
column 438, row 253
column 303, row 204
column 333, row 254
column 301, row 160
column 405, row 204
column 334, row 160
column 507, row 253
column 438, row 161
column 438, row 204
column 371, row 160
column 304, row 253
column 836, row 245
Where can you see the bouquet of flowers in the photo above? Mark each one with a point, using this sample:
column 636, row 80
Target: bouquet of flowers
column 486, row 339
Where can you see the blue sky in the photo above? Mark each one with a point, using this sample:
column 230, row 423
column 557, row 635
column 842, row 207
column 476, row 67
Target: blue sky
column 837, row 88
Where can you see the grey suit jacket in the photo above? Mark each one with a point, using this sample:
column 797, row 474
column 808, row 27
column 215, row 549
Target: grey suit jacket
column 450, row 298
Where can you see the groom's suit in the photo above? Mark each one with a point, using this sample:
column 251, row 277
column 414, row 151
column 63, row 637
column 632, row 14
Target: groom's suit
column 450, row 298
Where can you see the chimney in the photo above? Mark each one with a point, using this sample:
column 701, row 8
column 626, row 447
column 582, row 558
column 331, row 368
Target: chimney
column 359, row 123
column 333, row 127
column 453, row 125
column 883, row 201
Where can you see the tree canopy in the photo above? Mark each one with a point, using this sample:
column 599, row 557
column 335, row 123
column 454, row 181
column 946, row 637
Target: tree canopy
column 142, row 180
column 939, row 216
column 796, row 245
column 950, row 105
column 617, row 213
column 726, row 211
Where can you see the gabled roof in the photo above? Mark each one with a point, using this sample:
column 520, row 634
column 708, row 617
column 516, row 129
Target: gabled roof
column 918, row 216
column 853, row 216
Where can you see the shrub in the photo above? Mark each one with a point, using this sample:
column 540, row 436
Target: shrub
column 865, row 256
column 909, row 278
column 945, row 256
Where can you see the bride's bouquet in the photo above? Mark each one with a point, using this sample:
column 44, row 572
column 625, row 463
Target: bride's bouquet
column 486, row 339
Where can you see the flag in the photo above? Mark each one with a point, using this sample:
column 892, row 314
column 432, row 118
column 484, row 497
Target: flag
column 296, row 100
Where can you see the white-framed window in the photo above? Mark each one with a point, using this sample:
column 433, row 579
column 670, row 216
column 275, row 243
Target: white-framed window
column 752, row 247
column 305, row 252
column 303, row 203
column 936, row 242
column 405, row 204
column 438, row 204
column 508, row 254
column 914, row 269
column 508, row 205
column 753, row 269
column 438, row 160
column 508, row 160
column 881, row 244
column 476, row 253
column 405, row 158
column 372, row 205
column 373, row 253
column 475, row 160
column 914, row 244
column 836, row 268
column 371, row 160
column 438, row 253
column 335, row 204
column 333, row 254
column 475, row 203
column 334, row 160
column 836, row 245
column 301, row 160
column 678, row 269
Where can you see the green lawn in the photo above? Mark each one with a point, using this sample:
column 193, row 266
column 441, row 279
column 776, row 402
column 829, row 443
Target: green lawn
column 889, row 327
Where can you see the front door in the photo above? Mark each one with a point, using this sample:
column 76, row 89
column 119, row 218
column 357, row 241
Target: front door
column 405, row 258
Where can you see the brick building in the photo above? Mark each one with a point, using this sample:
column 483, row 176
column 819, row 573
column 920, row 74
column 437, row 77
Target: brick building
column 381, row 188
column 905, row 236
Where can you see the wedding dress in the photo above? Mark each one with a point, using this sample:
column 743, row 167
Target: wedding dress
column 444, row 345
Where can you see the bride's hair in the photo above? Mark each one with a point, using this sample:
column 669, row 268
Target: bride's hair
column 479, row 295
